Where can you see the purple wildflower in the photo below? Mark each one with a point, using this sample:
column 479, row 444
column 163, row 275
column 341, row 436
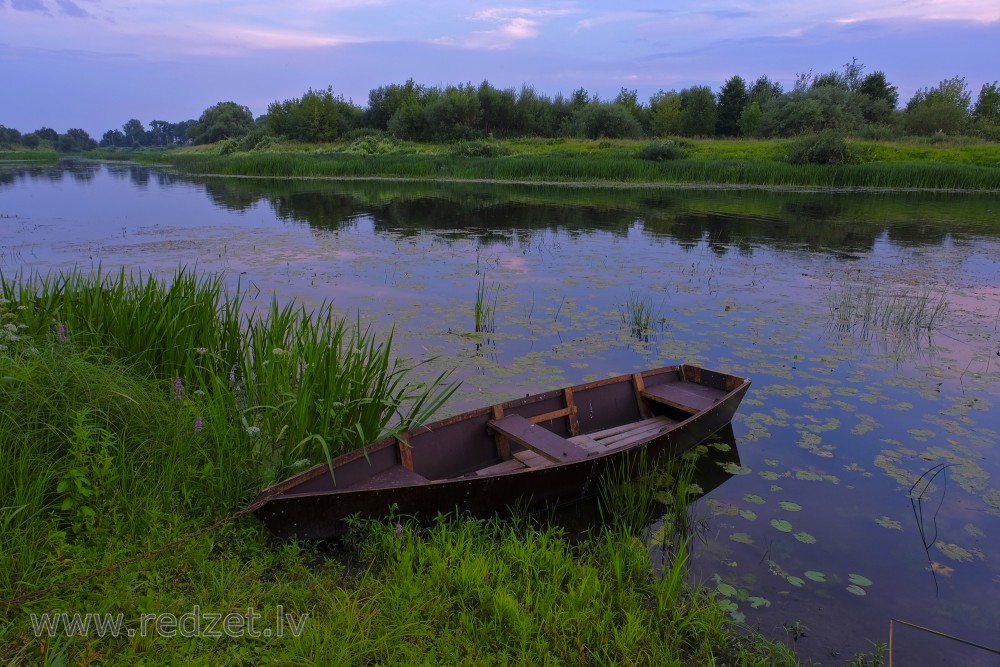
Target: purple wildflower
column 399, row 529
column 62, row 333
column 197, row 424
column 178, row 390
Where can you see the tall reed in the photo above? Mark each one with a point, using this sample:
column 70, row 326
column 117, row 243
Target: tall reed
column 485, row 310
column 307, row 383
column 872, row 313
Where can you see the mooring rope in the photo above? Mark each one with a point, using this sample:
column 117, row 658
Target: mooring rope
column 75, row 581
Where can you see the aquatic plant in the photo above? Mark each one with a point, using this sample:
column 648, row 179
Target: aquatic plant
column 485, row 310
column 640, row 315
column 872, row 313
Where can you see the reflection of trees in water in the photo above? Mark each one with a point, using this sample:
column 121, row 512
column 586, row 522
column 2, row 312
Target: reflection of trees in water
column 725, row 220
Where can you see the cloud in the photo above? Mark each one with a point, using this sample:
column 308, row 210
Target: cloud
column 514, row 24
column 30, row 6
column 70, row 8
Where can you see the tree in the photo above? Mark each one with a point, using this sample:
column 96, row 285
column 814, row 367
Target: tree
column 878, row 99
column 9, row 135
column 114, row 139
column 160, row 133
column 750, row 120
column 135, row 133
column 697, row 111
column 384, row 102
column 222, row 121
column 600, row 120
column 665, row 113
column 453, row 113
column 944, row 108
column 76, row 140
column 811, row 110
column 986, row 112
column 763, row 91
column 498, row 110
column 733, row 97
column 47, row 135
column 629, row 100
column 317, row 116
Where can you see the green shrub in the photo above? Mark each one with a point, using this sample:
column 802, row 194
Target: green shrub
column 478, row 149
column 659, row 151
column 827, row 147
column 374, row 143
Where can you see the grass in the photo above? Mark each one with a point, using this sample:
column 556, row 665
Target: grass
column 104, row 455
column 710, row 162
column 19, row 154
column 306, row 384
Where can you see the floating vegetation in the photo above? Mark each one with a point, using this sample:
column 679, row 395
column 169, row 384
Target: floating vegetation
column 953, row 551
column 886, row 522
column 782, row 525
column 859, row 579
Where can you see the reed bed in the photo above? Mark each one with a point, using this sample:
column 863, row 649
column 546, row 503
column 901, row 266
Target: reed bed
column 874, row 314
column 617, row 165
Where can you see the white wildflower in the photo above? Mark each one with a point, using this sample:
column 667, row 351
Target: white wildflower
column 253, row 430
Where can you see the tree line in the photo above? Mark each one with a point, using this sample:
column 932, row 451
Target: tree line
column 849, row 101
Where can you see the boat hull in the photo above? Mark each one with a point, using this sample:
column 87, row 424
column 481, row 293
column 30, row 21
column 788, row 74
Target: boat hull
column 310, row 506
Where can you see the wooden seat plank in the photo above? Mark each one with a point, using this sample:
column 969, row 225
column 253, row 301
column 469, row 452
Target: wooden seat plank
column 683, row 396
column 538, row 439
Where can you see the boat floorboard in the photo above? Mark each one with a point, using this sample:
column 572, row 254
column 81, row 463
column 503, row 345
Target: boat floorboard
column 594, row 444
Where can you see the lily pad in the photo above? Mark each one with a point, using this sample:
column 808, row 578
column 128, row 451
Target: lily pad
column 856, row 590
column 742, row 538
column 805, row 538
column 886, row 522
column 953, row 551
column 859, row 580
column 816, row 576
column 736, row 469
column 795, row 581
column 754, row 498
column 782, row 525
column 749, row 515
column 726, row 589
column 790, row 506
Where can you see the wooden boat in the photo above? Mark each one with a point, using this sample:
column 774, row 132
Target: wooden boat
column 550, row 446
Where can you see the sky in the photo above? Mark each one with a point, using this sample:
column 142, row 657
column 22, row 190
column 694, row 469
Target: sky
column 95, row 64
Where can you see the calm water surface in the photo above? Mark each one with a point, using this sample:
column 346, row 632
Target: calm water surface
column 868, row 482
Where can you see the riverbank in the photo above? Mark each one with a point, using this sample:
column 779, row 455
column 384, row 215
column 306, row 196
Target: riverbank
column 133, row 413
column 943, row 165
